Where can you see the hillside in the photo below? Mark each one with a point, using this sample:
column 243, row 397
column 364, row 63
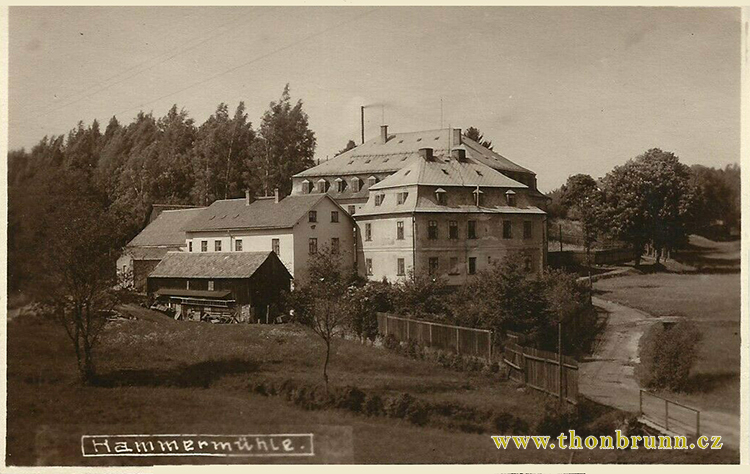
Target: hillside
column 162, row 376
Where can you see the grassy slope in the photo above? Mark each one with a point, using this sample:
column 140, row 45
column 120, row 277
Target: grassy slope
column 711, row 298
column 48, row 411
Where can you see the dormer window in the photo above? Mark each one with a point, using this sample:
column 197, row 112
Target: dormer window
column 372, row 180
column 441, row 196
column 510, row 198
column 379, row 199
column 478, row 196
column 340, row 185
column 356, row 184
column 322, row 185
column 402, row 197
column 306, row 187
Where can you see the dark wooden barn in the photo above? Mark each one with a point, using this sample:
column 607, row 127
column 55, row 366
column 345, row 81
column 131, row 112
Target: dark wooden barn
column 243, row 285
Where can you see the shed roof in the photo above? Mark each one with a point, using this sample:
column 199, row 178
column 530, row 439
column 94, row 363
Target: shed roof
column 166, row 230
column 212, row 264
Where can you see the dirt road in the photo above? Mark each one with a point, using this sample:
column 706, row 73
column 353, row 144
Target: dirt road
column 608, row 377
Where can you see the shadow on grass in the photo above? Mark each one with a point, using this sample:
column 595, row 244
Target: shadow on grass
column 201, row 374
column 705, row 383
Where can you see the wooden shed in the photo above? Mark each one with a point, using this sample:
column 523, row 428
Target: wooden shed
column 245, row 285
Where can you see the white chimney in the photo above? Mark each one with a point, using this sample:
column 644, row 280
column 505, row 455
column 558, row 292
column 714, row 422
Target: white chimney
column 276, row 195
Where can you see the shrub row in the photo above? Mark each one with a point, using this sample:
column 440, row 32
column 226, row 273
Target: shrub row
column 448, row 415
column 414, row 350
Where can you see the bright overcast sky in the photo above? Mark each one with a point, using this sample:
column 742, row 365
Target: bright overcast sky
column 557, row 90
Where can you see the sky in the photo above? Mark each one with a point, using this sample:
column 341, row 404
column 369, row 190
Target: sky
column 558, row 90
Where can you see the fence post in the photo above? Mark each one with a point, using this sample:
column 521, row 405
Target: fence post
column 697, row 423
column 408, row 333
column 430, row 334
column 666, row 413
column 386, row 325
column 489, row 347
column 640, row 403
column 458, row 341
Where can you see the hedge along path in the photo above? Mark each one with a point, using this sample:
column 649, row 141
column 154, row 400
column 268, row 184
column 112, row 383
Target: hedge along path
column 608, row 376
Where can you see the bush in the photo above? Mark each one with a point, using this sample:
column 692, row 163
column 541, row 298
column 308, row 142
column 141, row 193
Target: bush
column 350, row 398
column 373, row 406
column 555, row 422
column 391, row 343
column 406, row 407
column 668, row 353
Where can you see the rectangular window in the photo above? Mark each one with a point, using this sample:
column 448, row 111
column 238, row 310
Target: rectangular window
column 432, row 230
column 402, row 197
column 511, row 198
column 238, row 245
column 312, row 216
column 453, row 230
column 352, row 210
column 335, row 245
column 379, row 198
column 526, row 229
column 334, row 216
column 400, row 230
column 313, row 245
column 442, row 199
column 454, row 266
column 368, row 266
column 527, row 263
column 217, row 245
column 204, row 245
column 472, row 265
column 434, row 265
column 190, row 246
column 341, row 186
column 210, row 285
column 275, row 246
column 472, row 229
column 401, row 267
column 507, row 230
column 368, row 232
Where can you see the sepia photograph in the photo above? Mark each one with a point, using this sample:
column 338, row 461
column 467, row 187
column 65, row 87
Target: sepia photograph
column 423, row 235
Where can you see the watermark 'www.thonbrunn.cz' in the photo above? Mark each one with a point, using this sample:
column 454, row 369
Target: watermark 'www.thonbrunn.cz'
column 619, row 441
column 299, row 444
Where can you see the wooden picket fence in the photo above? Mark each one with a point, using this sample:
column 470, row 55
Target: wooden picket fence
column 458, row 339
column 541, row 370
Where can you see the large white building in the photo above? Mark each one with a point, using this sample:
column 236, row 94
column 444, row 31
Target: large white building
column 433, row 202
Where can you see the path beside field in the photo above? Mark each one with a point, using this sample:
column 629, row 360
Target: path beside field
column 608, row 376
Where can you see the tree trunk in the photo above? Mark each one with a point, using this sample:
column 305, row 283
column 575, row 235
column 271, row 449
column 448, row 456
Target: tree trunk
column 325, row 365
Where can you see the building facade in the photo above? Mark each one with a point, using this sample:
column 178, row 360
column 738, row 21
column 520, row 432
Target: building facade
column 294, row 228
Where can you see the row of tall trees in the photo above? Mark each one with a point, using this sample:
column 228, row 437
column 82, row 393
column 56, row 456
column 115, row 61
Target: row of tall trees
column 651, row 201
column 126, row 168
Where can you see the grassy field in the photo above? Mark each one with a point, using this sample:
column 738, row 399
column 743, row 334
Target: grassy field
column 162, row 376
column 703, row 285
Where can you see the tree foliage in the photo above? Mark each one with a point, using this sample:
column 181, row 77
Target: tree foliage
column 581, row 195
column 168, row 159
column 474, row 134
column 285, row 146
column 650, row 200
